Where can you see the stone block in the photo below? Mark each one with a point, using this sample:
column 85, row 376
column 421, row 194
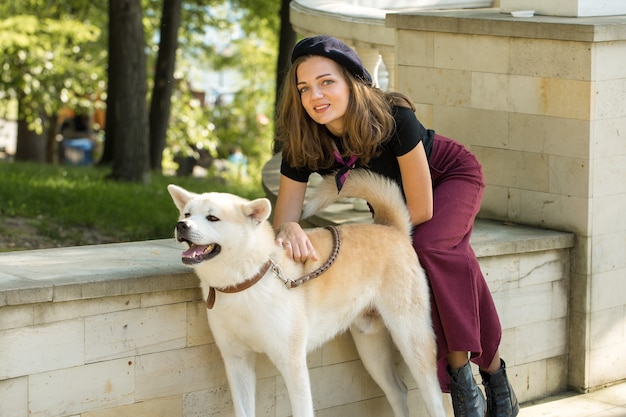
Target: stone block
column 543, row 267
column 607, row 139
column 337, row 384
column 612, row 55
column 217, row 401
column 608, row 99
column 170, row 297
column 548, row 210
column 549, row 135
column 133, row 332
column 158, row 407
column 473, row 127
column 606, row 259
column 533, row 95
column 605, row 174
column 67, row 310
column 550, row 58
column 415, row 49
column 75, row 390
column 568, row 176
column 608, row 290
column 535, row 301
column 35, row 349
column 376, row 407
column 472, row 53
column 501, row 272
column 12, row 317
column 14, row 397
column 607, row 328
column 198, row 330
column 608, row 365
column 539, row 341
column 435, row 86
column 178, row 371
column 518, row 169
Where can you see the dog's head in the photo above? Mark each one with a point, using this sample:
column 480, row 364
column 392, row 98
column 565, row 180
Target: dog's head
column 212, row 223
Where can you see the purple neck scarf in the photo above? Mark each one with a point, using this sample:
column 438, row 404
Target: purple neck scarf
column 347, row 164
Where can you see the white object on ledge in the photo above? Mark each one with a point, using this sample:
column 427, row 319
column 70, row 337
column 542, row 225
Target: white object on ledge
column 523, row 13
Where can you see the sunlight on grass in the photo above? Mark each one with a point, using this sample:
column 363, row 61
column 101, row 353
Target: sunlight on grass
column 61, row 196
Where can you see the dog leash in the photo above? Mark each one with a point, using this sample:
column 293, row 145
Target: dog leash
column 293, row 283
column 289, row 283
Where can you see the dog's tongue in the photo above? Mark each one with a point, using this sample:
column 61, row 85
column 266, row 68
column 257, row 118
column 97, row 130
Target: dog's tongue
column 194, row 251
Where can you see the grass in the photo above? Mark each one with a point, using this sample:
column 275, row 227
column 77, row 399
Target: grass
column 56, row 199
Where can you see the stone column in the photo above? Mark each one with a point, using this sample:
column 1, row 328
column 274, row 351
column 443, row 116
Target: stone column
column 540, row 101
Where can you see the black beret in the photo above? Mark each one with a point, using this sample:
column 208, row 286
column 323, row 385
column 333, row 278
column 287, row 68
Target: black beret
column 334, row 49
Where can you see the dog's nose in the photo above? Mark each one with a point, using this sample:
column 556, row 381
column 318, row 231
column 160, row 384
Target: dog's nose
column 182, row 227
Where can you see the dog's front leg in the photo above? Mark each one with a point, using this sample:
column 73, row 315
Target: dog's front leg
column 293, row 368
column 242, row 380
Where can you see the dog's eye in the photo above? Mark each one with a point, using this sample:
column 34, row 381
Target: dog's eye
column 187, row 215
column 212, row 218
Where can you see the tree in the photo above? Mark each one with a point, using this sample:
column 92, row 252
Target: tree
column 164, row 80
column 127, row 117
column 287, row 40
column 48, row 63
column 78, row 71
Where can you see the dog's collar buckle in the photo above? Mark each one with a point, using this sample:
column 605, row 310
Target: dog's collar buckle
column 278, row 271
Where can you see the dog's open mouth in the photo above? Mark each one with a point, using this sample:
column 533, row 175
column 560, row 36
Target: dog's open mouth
column 199, row 253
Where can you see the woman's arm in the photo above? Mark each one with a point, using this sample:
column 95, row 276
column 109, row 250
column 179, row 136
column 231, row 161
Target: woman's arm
column 286, row 216
column 417, row 184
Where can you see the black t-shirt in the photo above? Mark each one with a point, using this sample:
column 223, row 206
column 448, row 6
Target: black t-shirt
column 407, row 134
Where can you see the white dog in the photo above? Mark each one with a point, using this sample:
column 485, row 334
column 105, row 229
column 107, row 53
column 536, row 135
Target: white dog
column 368, row 278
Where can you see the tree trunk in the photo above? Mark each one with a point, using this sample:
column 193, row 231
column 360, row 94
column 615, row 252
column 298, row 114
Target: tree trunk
column 286, row 43
column 127, row 117
column 163, row 80
column 30, row 145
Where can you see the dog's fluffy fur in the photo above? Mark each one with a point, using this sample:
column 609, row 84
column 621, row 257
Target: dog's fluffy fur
column 375, row 283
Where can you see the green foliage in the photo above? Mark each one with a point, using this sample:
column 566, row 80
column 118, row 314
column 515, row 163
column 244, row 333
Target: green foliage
column 49, row 63
column 190, row 129
column 54, row 54
column 63, row 197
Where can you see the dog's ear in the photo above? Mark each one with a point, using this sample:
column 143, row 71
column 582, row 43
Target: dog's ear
column 179, row 195
column 258, row 210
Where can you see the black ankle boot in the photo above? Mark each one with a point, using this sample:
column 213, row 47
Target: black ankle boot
column 501, row 400
column 467, row 398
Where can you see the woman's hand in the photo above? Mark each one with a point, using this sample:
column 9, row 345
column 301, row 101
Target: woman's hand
column 296, row 242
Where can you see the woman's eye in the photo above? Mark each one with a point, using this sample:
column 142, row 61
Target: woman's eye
column 327, row 82
column 212, row 218
column 303, row 90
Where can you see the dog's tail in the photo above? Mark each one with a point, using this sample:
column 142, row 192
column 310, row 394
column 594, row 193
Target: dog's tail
column 382, row 194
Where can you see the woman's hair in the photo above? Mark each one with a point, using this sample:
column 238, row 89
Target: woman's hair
column 369, row 122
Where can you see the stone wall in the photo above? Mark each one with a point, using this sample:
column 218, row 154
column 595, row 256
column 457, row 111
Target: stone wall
column 120, row 330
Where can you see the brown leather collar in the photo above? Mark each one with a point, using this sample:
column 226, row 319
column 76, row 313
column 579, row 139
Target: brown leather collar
column 210, row 300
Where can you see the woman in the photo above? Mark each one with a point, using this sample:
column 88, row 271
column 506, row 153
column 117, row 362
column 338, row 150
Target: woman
column 331, row 120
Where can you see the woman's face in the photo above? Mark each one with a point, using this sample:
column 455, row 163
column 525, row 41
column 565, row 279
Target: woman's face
column 324, row 92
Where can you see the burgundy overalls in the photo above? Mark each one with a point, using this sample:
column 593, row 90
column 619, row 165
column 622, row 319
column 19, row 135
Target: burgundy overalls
column 464, row 315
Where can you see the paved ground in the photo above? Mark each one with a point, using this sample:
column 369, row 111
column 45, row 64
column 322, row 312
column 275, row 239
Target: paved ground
column 608, row 402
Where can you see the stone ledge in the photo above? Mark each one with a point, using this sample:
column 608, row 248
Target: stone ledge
column 492, row 22
column 93, row 271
